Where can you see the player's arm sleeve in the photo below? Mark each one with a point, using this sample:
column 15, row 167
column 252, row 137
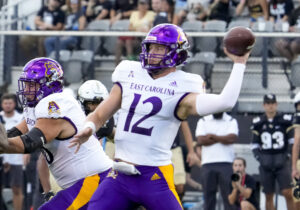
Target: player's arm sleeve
column 290, row 133
column 211, row 103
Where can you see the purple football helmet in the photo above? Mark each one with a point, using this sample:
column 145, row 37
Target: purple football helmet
column 40, row 78
column 171, row 36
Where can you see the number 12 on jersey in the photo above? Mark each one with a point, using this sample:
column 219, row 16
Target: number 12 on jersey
column 156, row 107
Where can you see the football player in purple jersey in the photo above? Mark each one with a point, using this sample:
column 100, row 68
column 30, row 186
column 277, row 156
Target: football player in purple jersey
column 51, row 118
column 153, row 98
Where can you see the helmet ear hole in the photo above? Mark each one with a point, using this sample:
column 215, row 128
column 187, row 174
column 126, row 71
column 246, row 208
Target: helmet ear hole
column 182, row 56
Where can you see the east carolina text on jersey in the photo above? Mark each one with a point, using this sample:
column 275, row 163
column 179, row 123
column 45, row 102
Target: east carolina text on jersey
column 148, row 120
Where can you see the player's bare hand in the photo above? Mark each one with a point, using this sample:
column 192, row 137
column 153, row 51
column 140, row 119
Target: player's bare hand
column 237, row 59
column 3, row 139
column 295, row 174
column 192, row 158
column 80, row 138
column 6, row 167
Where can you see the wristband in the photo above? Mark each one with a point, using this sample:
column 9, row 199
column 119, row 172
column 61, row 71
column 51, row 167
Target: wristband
column 90, row 124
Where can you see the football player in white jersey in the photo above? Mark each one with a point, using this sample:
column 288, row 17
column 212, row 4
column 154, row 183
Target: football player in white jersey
column 153, row 98
column 51, row 119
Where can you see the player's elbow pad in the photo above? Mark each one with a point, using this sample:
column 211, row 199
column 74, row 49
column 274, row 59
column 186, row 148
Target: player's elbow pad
column 13, row 132
column 33, row 140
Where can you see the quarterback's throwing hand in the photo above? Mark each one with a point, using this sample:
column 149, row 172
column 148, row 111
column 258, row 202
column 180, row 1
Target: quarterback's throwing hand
column 80, row 138
column 3, row 138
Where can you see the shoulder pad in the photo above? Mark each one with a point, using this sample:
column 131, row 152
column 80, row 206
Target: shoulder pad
column 191, row 82
column 125, row 70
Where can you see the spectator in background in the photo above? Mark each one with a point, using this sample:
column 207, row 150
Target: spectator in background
column 216, row 134
column 98, row 10
column 280, row 9
column 165, row 15
column 179, row 161
column 140, row 20
column 75, row 20
column 189, row 180
column 271, row 145
column 195, row 11
column 296, row 146
column 13, row 163
column 242, row 187
column 122, row 9
column 156, row 6
column 49, row 17
column 257, row 9
column 290, row 47
column 219, row 10
column 180, row 5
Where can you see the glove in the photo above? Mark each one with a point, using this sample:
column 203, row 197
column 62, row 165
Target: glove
column 125, row 168
column 48, row 195
column 256, row 153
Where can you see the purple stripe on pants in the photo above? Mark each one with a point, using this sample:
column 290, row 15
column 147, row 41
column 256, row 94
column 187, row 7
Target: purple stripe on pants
column 120, row 192
column 64, row 198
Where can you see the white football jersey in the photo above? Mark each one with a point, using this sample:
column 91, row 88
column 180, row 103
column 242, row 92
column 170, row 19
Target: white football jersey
column 66, row 166
column 147, row 122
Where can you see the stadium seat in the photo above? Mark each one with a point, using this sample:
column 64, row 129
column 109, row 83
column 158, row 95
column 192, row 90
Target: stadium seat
column 268, row 26
column 202, row 63
column 63, row 57
column 210, row 43
column 120, row 25
column 99, row 25
column 78, row 66
column 110, row 42
column 235, row 23
column 192, row 26
column 94, row 43
column 259, row 45
column 295, row 72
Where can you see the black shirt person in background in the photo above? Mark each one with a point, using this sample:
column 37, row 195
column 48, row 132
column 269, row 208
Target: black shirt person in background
column 271, row 145
column 242, row 187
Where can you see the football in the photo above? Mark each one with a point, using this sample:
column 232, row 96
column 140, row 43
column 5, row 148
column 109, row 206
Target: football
column 239, row 40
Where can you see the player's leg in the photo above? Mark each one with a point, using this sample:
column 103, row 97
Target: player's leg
column 268, row 183
column 110, row 149
column 113, row 193
column 283, row 176
column 16, row 173
column 157, row 188
column 77, row 196
column 209, row 181
column 179, row 172
column 297, row 201
column 224, row 177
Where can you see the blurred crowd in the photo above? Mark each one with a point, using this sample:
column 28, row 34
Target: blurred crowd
column 143, row 14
